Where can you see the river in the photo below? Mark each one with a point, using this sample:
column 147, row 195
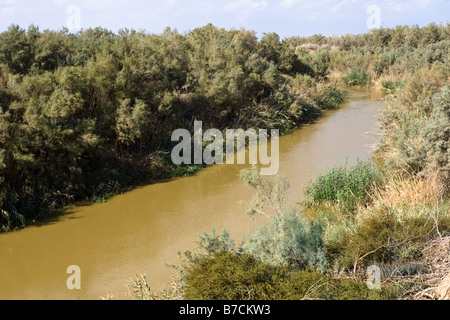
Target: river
column 142, row 230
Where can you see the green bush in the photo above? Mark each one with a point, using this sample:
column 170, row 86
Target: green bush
column 357, row 290
column 333, row 98
column 226, row 276
column 437, row 139
column 345, row 187
column 357, row 77
column 415, row 125
column 288, row 240
column 386, row 235
column 392, row 85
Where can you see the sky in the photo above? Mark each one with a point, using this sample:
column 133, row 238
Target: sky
column 285, row 17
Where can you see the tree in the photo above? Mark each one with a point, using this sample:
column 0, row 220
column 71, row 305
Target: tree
column 16, row 49
column 288, row 240
column 270, row 47
column 131, row 121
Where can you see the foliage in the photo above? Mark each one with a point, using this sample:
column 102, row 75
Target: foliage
column 352, row 217
column 387, row 237
column 287, row 240
column 212, row 243
column 392, row 85
column 392, row 53
column 230, row 277
column 85, row 116
column 225, row 276
column 270, row 192
column 347, row 187
column 333, row 97
column 357, row 77
column 437, row 138
column 415, row 126
column 290, row 241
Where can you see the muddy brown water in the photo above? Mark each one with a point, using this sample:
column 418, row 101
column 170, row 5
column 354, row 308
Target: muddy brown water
column 142, row 230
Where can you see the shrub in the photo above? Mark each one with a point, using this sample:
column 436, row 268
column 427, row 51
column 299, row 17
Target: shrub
column 332, row 98
column 225, row 276
column 357, row 77
column 79, row 120
column 346, row 187
column 437, row 138
column 385, row 235
column 289, row 241
column 392, row 85
column 415, row 125
column 354, row 290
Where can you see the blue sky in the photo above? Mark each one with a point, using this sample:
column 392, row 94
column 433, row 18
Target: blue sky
column 286, row 17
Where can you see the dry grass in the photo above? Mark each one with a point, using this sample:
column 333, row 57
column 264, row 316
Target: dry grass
column 140, row 290
column 335, row 77
column 411, row 196
column 436, row 257
column 411, row 190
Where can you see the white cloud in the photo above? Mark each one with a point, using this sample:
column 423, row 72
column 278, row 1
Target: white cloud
column 306, row 3
column 288, row 3
column 245, row 4
column 8, row 11
column 244, row 8
column 401, row 6
column 60, row 2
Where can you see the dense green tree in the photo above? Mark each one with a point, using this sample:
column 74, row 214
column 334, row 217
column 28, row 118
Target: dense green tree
column 16, row 49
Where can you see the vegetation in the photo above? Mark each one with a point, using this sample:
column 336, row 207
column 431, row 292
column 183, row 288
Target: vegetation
column 225, row 276
column 385, row 55
column 347, row 187
column 85, row 116
column 357, row 77
column 392, row 212
column 288, row 240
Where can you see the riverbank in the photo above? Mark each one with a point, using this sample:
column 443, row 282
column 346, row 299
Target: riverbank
column 140, row 170
column 94, row 117
column 142, row 230
column 387, row 220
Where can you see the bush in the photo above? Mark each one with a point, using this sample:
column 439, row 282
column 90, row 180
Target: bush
column 81, row 120
column 437, row 139
column 345, row 187
column 357, row 77
column 392, row 85
column 354, row 290
column 385, row 235
column 415, row 125
column 289, row 241
column 333, row 98
column 225, row 276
